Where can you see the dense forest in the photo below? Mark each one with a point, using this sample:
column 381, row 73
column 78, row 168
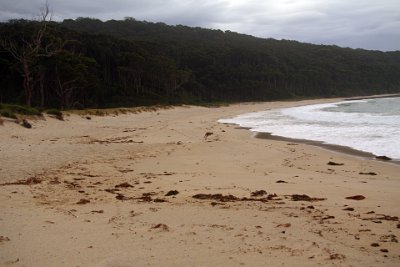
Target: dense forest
column 89, row 63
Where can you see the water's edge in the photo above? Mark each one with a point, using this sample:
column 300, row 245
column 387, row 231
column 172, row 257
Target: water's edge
column 371, row 97
column 335, row 148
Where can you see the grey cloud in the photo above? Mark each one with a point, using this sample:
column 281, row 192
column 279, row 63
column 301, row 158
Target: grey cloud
column 305, row 17
column 10, row 9
column 366, row 24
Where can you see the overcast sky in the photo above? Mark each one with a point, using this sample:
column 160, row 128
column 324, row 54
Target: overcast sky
column 369, row 24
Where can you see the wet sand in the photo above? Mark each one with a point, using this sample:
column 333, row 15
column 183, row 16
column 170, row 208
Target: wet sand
column 174, row 188
column 331, row 147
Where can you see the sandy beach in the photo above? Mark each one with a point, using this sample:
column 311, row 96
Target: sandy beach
column 173, row 187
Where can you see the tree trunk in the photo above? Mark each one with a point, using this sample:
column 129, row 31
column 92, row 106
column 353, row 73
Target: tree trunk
column 28, row 85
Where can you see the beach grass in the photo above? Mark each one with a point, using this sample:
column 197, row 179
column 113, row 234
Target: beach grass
column 118, row 111
column 11, row 110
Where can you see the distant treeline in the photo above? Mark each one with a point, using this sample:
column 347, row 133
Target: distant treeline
column 89, row 63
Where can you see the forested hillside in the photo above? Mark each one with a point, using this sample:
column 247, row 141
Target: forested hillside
column 89, row 63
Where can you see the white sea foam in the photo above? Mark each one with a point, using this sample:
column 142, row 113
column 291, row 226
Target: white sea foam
column 371, row 125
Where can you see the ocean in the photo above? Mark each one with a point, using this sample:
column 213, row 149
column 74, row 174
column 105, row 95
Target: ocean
column 369, row 125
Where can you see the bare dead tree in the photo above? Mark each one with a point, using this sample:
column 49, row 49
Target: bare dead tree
column 28, row 50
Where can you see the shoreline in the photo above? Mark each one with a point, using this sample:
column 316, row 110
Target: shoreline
column 331, row 147
column 372, row 97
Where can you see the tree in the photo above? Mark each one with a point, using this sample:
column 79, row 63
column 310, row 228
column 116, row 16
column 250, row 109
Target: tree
column 26, row 50
column 90, row 63
column 72, row 78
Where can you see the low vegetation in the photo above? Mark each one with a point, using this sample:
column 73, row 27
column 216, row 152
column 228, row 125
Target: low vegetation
column 10, row 111
column 55, row 112
column 7, row 113
column 119, row 111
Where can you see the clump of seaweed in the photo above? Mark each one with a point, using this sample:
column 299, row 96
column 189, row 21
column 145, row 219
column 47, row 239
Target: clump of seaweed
column 30, row 181
column 296, row 197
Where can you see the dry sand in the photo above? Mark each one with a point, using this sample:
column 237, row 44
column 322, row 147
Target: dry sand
column 78, row 215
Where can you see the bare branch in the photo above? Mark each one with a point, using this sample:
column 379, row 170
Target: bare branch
column 45, row 13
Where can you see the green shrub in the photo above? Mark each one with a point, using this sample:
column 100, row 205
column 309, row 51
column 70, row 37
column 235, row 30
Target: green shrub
column 20, row 109
column 99, row 113
column 7, row 113
column 54, row 112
